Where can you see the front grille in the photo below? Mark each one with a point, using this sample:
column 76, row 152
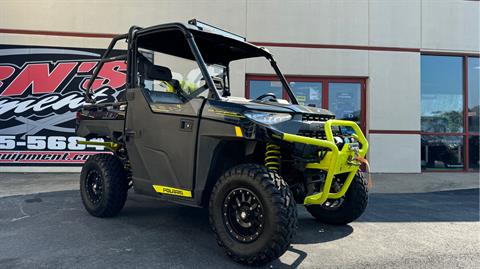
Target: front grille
column 316, row 117
column 313, row 134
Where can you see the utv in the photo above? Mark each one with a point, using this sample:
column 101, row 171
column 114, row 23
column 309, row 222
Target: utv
column 177, row 134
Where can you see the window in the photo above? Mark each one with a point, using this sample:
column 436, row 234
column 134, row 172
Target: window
column 344, row 97
column 169, row 79
column 259, row 87
column 442, row 152
column 449, row 117
column 442, row 94
column 307, row 93
column 473, row 86
column 345, row 101
column 473, row 95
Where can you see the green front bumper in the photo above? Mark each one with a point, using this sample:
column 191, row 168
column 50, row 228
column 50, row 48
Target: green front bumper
column 336, row 161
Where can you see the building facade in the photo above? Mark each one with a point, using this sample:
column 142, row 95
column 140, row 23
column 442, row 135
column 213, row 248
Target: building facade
column 407, row 71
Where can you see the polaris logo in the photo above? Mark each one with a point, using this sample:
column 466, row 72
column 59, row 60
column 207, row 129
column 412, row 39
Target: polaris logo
column 172, row 191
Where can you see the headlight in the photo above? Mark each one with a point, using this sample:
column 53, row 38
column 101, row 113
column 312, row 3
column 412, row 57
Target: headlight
column 267, row 117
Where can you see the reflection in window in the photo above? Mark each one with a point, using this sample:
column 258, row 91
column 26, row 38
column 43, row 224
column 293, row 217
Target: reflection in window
column 473, row 94
column 440, row 152
column 441, row 94
column 259, row 87
column 307, row 93
column 344, row 100
column 473, row 152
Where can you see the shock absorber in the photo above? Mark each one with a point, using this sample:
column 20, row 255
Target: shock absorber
column 272, row 157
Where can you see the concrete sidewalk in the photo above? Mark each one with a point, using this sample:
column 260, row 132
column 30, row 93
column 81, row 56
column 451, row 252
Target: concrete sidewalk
column 30, row 183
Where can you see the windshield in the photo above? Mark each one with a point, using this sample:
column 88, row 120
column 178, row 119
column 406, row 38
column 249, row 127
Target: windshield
column 274, row 87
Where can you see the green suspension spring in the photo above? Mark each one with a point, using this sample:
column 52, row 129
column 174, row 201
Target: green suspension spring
column 272, row 157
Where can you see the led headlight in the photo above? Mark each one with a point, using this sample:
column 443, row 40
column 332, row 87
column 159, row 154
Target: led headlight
column 267, row 117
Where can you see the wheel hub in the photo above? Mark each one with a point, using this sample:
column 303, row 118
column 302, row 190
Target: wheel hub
column 94, row 186
column 243, row 215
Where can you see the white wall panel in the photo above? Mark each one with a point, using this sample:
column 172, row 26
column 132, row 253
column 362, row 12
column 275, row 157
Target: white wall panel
column 451, row 25
column 394, row 91
column 308, row 21
column 394, row 23
column 111, row 16
column 392, row 153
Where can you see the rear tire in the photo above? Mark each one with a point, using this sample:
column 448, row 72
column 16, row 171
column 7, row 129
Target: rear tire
column 103, row 185
column 352, row 207
column 253, row 214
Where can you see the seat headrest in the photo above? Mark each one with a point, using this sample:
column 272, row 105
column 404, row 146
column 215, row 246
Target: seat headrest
column 152, row 72
column 156, row 72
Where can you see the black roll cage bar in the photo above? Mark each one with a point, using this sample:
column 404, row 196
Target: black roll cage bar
column 130, row 58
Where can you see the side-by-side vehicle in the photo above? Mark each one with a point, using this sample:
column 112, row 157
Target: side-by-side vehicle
column 176, row 133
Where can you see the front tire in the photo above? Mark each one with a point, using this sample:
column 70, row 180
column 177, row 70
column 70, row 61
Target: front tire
column 351, row 207
column 103, row 185
column 253, row 214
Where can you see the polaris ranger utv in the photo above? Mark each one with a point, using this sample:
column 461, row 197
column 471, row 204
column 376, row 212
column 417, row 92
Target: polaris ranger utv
column 177, row 134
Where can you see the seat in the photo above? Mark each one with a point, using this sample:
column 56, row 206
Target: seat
column 150, row 72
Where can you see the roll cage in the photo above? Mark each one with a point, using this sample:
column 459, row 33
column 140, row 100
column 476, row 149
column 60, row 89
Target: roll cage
column 218, row 47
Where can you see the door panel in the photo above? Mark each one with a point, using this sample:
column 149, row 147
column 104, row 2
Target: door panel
column 162, row 141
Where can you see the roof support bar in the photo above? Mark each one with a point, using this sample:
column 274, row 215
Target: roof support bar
column 283, row 80
column 105, row 58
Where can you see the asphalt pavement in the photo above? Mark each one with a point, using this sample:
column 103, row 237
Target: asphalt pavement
column 434, row 229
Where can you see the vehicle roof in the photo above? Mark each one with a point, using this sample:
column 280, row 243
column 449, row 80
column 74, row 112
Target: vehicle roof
column 215, row 48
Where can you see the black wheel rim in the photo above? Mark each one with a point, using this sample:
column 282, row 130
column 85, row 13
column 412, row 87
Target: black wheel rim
column 94, row 186
column 243, row 215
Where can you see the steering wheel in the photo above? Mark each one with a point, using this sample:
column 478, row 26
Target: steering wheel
column 272, row 95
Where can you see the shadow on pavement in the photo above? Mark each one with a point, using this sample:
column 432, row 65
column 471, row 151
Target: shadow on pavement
column 455, row 205
column 312, row 232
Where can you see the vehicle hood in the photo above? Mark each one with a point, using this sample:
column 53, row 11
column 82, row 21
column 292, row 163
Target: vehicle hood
column 277, row 107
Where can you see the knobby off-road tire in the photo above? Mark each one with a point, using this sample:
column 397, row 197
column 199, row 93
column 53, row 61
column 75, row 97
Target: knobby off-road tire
column 103, row 185
column 352, row 207
column 253, row 214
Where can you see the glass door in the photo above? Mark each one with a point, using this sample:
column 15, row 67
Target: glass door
column 345, row 101
column 307, row 93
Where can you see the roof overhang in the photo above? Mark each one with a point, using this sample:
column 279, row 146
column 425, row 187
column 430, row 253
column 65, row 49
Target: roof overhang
column 215, row 47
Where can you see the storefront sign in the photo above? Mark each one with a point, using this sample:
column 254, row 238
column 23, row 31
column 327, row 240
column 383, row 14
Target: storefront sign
column 41, row 88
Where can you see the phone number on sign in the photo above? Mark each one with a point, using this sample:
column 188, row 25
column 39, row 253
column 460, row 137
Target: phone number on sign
column 46, row 142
